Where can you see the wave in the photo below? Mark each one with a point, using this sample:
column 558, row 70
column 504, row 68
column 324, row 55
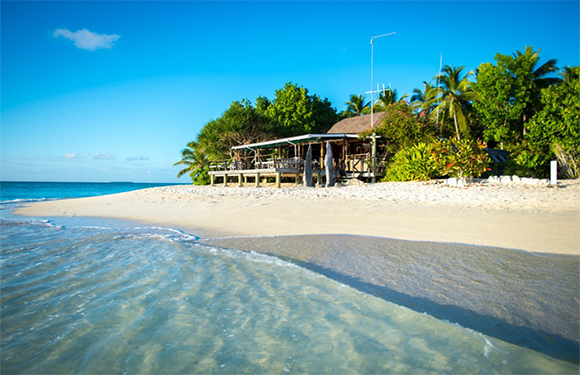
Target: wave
column 17, row 203
column 28, row 222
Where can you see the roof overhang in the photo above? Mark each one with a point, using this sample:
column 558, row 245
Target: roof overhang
column 307, row 138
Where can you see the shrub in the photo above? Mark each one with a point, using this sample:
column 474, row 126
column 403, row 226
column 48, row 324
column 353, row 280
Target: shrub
column 525, row 162
column 460, row 158
column 412, row 164
column 442, row 158
column 200, row 176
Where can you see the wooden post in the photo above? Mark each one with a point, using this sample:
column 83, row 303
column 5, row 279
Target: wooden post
column 257, row 180
column 278, row 180
column 321, row 155
column 225, row 180
column 211, row 179
column 240, row 176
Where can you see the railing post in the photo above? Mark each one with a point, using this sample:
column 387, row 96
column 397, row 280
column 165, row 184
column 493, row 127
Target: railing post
column 211, row 179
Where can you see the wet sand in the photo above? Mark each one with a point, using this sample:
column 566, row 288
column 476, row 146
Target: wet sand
column 524, row 298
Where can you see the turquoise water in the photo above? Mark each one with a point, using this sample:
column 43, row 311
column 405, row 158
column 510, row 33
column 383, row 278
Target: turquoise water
column 23, row 192
column 144, row 300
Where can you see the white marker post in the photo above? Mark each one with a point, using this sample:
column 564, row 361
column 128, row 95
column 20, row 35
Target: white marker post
column 553, row 173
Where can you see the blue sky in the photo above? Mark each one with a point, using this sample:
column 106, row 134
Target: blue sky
column 112, row 91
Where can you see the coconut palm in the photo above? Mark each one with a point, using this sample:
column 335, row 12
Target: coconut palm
column 455, row 95
column 193, row 158
column 386, row 98
column 540, row 80
column 426, row 100
column 540, row 72
column 568, row 75
column 356, row 106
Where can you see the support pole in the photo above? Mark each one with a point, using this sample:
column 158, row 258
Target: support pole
column 211, row 179
column 321, row 155
column 240, row 177
column 553, row 173
column 257, row 180
column 225, row 180
column 278, row 180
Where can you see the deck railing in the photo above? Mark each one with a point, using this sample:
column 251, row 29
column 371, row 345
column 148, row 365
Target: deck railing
column 353, row 164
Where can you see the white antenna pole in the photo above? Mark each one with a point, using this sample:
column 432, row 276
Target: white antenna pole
column 374, row 146
column 438, row 91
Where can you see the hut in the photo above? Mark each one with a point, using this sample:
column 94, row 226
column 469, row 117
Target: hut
column 283, row 158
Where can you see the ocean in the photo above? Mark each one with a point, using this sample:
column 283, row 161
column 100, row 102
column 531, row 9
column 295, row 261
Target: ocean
column 146, row 300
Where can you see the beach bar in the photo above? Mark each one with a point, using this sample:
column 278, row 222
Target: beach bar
column 285, row 157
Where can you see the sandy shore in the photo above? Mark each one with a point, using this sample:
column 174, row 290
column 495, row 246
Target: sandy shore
column 531, row 218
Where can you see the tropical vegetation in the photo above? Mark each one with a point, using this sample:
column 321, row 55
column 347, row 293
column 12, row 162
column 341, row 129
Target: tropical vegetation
column 518, row 103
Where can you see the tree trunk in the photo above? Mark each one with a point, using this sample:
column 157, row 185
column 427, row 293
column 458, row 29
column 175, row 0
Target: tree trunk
column 456, row 126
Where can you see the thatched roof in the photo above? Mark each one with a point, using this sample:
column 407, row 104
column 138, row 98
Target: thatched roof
column 356, row 125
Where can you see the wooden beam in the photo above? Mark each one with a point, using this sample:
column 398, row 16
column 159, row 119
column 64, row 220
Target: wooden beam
column 278, row 180
column 225, row 180
column 257, row 180
column 211, row 179
column 240, row 177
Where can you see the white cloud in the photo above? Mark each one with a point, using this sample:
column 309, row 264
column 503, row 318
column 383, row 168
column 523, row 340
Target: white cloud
column 99, row 156
column 87, row 40
column 76, row 155
column 139, row 158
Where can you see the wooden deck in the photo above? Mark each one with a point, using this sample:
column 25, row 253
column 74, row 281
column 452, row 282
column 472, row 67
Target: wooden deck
column 252, row 169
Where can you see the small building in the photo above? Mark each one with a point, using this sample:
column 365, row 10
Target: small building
column 285, row 157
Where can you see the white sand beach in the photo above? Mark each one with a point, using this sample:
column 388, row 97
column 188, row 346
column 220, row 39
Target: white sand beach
column 527, row 217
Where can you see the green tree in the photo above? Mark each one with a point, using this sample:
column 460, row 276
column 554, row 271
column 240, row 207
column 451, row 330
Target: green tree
column 296, row 112
column 401, row 127
column 240, row 124
column 541, row 79
column 386, row 98
column 196, row 163
column 356, row 106
column 456, row 94
column 508, row 94
column 425, row 101
column 555, row 129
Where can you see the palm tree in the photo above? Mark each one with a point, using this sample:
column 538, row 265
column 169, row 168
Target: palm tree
column 386, row 98
column 426, row 100
column 539, row 80
column 193, row 157
column 356, row 106
column 568, row 75
column 456, row 94
column 540, row 72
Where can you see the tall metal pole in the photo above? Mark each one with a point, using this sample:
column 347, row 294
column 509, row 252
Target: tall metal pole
column 438, row 93
column 374, row 146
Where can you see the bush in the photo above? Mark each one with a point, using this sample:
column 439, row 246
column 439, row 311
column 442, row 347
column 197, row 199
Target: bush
column 460, row 158
column 200, row 176
column 413, row 164
column 443, row 158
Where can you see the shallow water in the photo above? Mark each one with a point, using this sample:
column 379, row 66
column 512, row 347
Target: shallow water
column 145, row 300
column 527, row 299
